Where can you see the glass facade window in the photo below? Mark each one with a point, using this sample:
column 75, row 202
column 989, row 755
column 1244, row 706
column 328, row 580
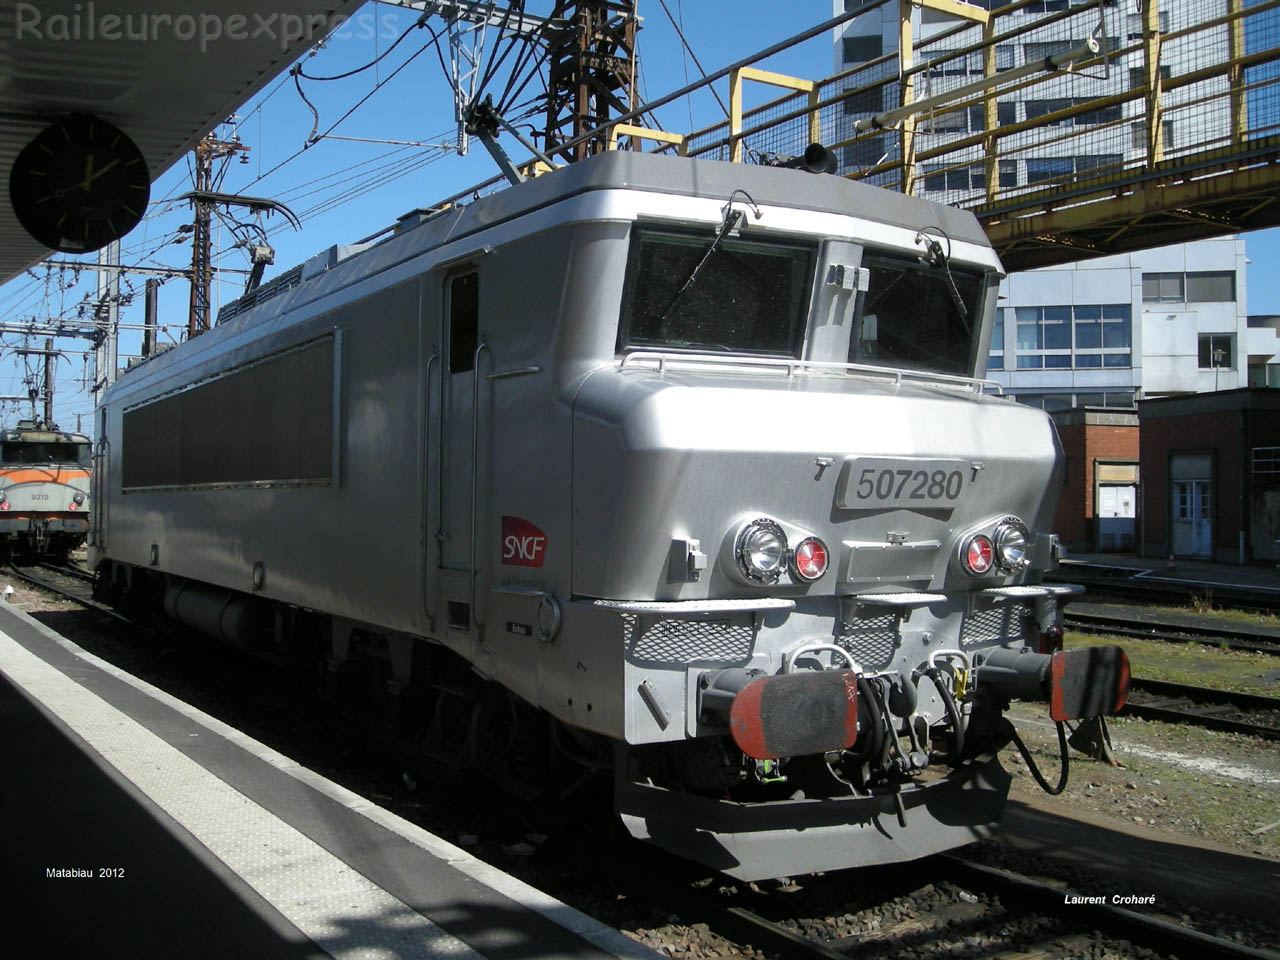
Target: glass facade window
column 1211, row 286
column 1065, row 401
column 946, row 63
column 1082, row 337
column 1138, row 76
column 1043, row 108
column 1138, row 134
column 865, row 102
column 939, row 177
column 1044, row 328
column 1041, row 169
column 1162, row 288
column 862, row 49
column 1032, row 52
column 1217, row 350
column 970, row 120
column 1206, row 286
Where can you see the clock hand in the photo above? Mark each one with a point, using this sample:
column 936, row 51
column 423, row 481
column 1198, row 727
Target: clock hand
column 88, row 172
column 99, row 173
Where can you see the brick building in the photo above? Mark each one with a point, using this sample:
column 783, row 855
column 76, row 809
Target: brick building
column 1210, row 476
column 1098, row 507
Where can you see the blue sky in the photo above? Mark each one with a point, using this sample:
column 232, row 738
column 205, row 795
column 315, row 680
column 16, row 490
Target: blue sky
column 414, row 103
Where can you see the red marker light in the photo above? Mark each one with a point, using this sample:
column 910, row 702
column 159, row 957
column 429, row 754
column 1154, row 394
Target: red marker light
column 810, row 559
column 4, row 505
column 978, row 555
column 73, row 505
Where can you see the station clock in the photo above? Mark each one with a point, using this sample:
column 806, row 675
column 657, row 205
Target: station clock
column 80, row 184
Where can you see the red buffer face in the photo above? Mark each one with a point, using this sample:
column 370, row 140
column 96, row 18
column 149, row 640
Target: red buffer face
column 796, row 714
column 1088, row 682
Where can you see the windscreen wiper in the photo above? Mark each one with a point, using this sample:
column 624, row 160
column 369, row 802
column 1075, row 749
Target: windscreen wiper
column 731, row 220
column 939, row 258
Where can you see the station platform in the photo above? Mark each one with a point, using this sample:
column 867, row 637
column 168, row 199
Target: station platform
column 136, row 825
column 1263, row 578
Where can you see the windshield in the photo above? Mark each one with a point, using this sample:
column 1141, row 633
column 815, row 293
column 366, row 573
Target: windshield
column 747, row 297
column 909, row 317
column 41, row 453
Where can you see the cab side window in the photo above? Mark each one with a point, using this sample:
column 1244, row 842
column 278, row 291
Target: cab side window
column 464, row 321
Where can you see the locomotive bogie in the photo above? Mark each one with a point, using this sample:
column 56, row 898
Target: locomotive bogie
column 689, row 460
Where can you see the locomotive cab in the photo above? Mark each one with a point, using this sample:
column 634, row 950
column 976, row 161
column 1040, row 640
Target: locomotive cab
column 44, row 490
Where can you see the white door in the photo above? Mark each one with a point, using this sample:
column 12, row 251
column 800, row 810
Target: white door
column 1117, row 511
column 1193, row 518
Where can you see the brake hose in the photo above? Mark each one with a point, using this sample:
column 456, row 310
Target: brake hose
column 953, row 710
column 1035, row 771
column 877, row 720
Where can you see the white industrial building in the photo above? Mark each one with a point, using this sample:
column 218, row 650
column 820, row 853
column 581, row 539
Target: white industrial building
column 1103, row 332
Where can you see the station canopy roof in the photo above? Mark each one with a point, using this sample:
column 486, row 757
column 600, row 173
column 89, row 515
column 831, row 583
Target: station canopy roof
column 166, row 72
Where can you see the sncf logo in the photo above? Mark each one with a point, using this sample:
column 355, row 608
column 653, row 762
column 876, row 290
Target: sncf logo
column 523, row 544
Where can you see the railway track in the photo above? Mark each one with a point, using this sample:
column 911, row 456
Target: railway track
column 962, row 909
column 1220, row 710
column 66, row 581
column 1140, row 586
column 1171, row 632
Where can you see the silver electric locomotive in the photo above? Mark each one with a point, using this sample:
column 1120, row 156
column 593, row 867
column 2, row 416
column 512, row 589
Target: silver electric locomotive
column 677, row 469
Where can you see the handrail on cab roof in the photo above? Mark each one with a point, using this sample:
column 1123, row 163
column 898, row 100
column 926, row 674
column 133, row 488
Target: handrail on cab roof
column 660, row 359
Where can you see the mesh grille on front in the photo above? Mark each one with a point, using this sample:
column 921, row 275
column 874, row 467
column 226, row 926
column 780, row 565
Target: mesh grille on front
column 687, row 641
column 999, row 623
column 871, row 641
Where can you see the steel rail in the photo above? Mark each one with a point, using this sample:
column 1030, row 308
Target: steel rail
column 1148, row 586
column 80, row 598
column 1172, row 632
column 1198, row 699
column 67, row 569
column 1116, row 920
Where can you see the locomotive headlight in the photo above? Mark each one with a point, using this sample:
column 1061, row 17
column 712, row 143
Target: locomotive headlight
column 761, row 550
column 78, row 498
column 1011, row 544
column 809, row 560
column 978, row 555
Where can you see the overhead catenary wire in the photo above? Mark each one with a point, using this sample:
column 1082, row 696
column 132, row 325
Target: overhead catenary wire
column 696, row 62
column 328, row 191
column 297, row 70
column 312, row 140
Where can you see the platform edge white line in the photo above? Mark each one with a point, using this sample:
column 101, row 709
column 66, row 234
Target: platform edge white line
column 588, row 928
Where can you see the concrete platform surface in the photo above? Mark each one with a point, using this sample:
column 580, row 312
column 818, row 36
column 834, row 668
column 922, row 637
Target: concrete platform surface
column 136, row 825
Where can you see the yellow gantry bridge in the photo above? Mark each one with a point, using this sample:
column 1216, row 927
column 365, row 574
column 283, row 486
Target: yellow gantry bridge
column 1169, row 132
